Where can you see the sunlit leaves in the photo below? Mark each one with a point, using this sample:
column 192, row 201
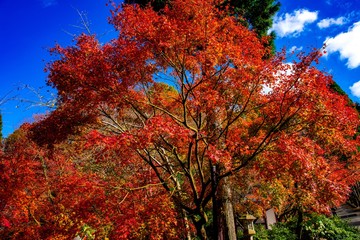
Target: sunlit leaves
column 127, row 156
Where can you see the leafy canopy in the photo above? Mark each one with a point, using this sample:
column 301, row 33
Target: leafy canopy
column 175, row 95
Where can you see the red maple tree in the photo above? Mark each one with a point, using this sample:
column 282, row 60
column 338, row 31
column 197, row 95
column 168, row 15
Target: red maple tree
column 71, row 190
column 187, row 91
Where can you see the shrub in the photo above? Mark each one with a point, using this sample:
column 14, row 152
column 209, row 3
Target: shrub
column 314, row 227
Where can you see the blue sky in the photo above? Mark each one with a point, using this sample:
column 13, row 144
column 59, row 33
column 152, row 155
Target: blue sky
column 29, row 28
column 303, row 24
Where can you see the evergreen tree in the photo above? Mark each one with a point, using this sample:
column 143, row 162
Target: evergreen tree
column 156, row 4
column 258, row 14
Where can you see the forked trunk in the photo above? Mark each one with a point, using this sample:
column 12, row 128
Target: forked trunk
column 200, row 225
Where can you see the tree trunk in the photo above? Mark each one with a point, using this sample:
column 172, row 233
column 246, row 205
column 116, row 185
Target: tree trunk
column 218, row 231
column 299, row 225
column 200, row 224
column 228, row 211
column 221, row 228
column 200, row 230
column 224, row 224
column 187, row 226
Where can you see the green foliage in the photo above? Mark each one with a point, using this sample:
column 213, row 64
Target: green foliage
column 357, row 106
column 320, row 226
column 314, row 227
column 334, row 86
column 258, row 13
column 88, row 232
column 261, row 232
column 156, row 4
column 280, row 231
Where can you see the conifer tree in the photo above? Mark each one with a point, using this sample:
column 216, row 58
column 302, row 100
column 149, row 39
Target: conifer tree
column 258, row 14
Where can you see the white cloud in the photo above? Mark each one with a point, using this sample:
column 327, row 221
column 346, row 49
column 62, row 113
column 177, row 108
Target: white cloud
column 327, row 22
column 48, row 3
column 282, row 74
column 355, row 89
column 347, row 44
column 293, row 24
column 295, row 48
column 266, row 89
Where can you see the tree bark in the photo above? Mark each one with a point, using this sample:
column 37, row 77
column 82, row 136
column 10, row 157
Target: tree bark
column 299, row 225
column 228, row 211
column 186, row 223
column 200, row 230
column 200, row 224
column 224, row 223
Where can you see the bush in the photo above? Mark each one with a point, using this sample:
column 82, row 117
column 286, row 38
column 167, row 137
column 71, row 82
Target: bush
column 279, row 231
column 320, row 226
column 314, row 227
